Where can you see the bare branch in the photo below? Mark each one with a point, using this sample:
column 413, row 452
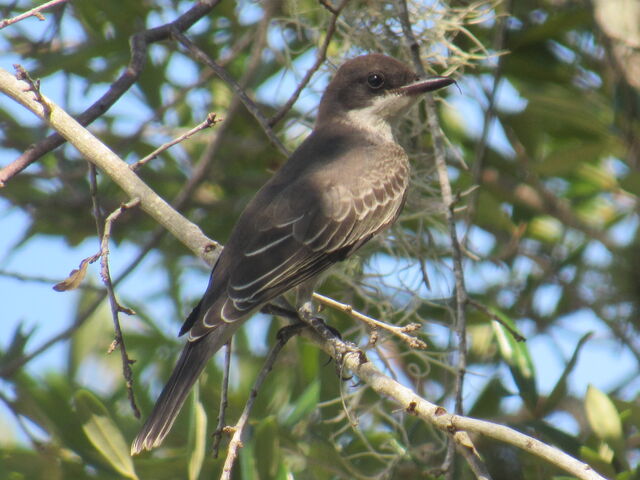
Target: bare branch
column 471, row 455
column 210, row 121
column 321, row 56
column 116, row 308
column 236, row 440
column 197, row 54
column 329, row 7
column 34, row 12
column 224, row 401
column 400, row 331
column 96, row 152
column 437, row 416
column 139, row 45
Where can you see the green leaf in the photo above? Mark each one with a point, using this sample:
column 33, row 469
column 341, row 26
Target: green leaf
column 16, row 344
column 516, row 354
column 546, row 228
column 247, row 462
column 306, row 403
column 488, row 402
column 603, row 418
column 267, row 444
column 561, row 439
column 560, row 389
column 198, row 439
column 631, row 182
column 594, row 459
column 103, row 433
column 565, row 160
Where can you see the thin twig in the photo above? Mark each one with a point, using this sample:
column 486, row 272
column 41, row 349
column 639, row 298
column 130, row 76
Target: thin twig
column 451, row 424
column 400, row 331
column 224, row 401
column 328, row 6
column 483, row 308
column 210, row 121
column 236, row 440
column 104, row 233
column 34, row 86
column 449, row 203
column 198, row 55
column 99, row 154
column 321, row 56
column 34, row 12
column 139, row 46
column 116, row 308
column 499, row 40
column 467, row 449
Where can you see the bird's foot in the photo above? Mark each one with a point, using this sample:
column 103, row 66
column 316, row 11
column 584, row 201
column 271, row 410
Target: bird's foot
column 288, row 331
column 339, row 348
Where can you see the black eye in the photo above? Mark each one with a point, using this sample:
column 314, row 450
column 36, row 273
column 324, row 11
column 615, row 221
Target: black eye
column 375, row 80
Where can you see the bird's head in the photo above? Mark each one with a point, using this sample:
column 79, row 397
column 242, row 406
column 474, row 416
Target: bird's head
column 372, row 90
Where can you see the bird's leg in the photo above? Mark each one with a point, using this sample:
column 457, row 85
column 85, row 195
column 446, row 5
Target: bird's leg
column 308, row 314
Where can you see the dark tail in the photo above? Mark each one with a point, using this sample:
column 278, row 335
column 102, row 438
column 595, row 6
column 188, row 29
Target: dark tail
column 192, row 361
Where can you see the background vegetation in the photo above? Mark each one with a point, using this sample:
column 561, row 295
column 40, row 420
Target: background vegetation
column 545, row 125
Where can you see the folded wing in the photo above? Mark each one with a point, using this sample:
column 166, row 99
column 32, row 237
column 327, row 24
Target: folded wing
column 295, row 229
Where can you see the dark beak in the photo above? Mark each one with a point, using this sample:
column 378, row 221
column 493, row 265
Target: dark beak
column 426, row 85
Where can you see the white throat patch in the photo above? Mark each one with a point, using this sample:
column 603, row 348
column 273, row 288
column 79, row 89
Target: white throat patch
column 377, row 119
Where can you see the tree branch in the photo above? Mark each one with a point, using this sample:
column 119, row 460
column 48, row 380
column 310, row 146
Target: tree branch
column 449, row 204
column 101, row 156
column 197, row 54
column 34, row 12
column 437, row 416
column 210, row 121
column 116, row 308
column 139, row 45
column 236, row 440
column 401, row 331
column 321, row 56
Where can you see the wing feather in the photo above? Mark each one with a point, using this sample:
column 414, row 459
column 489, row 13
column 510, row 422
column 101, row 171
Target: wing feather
column 293, row 230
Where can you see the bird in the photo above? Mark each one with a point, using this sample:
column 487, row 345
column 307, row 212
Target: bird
column 346, row 182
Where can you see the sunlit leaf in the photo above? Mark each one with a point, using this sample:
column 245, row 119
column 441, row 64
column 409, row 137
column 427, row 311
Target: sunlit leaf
column 603, row 417
column 198, row 440
column 103, row 433
column 306, row 403
column 268, row 444
column 594, row 459
column 560, row 389
column 517, row 356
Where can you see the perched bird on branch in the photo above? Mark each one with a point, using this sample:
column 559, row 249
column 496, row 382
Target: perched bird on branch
column 346, row 182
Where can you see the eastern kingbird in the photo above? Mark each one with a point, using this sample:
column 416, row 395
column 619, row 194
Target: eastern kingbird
column 346, row 182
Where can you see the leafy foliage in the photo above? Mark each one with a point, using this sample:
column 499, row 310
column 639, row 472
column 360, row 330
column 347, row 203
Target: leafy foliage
column 547, row 122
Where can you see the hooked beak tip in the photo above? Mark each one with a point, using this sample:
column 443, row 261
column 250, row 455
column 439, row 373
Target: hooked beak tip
column 426, row 85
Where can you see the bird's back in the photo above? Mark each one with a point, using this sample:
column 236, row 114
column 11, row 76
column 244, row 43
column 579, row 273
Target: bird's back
column 336, row 191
